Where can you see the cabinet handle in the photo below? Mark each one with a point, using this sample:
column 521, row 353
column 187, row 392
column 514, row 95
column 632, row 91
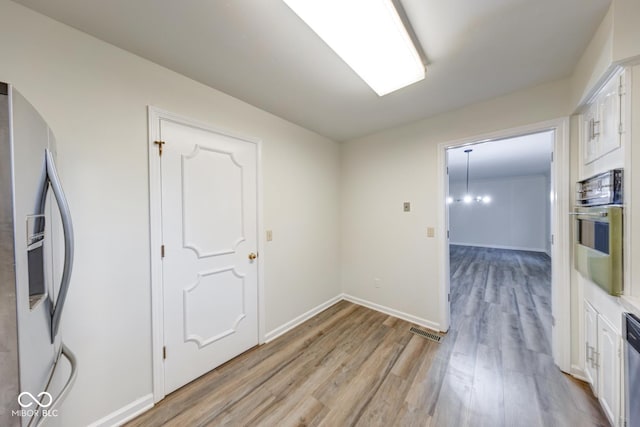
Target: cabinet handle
column 588, row 358
column 590, row 129
column 595, row 358
column 596, row 123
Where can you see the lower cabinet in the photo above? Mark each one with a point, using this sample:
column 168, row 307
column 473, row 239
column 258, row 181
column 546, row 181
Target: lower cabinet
column 603, row 360
column 591, row 345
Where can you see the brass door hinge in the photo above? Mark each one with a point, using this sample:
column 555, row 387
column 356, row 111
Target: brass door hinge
column 164, row 352
column 159, row 144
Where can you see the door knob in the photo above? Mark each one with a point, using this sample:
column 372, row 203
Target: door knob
column 252, row 256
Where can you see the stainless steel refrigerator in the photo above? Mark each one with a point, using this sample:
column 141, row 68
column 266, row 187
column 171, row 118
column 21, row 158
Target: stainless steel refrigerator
column 36, row 259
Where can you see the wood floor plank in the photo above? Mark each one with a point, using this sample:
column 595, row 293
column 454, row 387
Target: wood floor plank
column 350, row 365
column 363, row 385
column 521, row 405
column 487, row 395
column 452, row 408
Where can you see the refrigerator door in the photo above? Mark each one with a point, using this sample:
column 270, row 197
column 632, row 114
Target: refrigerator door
column 9, row 385
column 36, row 256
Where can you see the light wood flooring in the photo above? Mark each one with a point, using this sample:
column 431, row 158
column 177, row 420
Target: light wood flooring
column 353, row 366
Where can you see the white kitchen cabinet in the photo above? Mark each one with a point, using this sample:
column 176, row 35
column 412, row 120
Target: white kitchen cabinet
column 591, row 344
column 609, row 361
column 603, row 361
column 602, row 125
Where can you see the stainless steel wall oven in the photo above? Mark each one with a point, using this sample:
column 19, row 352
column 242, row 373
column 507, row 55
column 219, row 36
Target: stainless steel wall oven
column 599, row 230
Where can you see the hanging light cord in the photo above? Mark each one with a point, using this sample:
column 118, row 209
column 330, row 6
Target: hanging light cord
column 469, row 150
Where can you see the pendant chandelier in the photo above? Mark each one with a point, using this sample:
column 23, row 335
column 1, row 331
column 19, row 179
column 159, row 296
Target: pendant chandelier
column 468, row 197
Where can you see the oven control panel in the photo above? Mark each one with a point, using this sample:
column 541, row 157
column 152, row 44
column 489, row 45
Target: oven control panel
column 601, row 189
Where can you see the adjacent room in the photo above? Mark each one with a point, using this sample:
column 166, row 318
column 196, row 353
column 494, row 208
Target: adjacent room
column 286, row 212
column 500, row 210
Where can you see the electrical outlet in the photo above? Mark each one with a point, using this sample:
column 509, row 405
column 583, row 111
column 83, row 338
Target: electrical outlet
column 406, row 206
column 431, row 232
column 269, row 235
column 376, row 282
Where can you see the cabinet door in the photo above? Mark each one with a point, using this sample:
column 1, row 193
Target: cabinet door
column 608, row 120
column 591, row 345
column 609, row 369
column 589, row 134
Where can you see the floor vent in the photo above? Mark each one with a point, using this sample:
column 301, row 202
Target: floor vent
column 426, row 334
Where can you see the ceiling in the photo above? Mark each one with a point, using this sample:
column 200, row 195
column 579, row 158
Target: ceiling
column 523, row 155
column 262, row 53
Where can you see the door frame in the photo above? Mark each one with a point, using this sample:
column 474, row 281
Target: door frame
column 155, row 116
column 560, row 229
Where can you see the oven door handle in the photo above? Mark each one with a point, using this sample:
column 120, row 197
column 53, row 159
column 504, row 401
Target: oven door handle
column 599, row 214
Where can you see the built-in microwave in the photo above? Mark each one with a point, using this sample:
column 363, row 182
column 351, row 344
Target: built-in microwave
column 599, row 230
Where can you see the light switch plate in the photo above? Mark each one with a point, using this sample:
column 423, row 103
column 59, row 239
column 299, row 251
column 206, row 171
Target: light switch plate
column 407, row 206
column 269, row 235
column 431, row 232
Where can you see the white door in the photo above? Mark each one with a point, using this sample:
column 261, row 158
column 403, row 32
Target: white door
column 209, row 233
column 609, row 369
column 591, row 135
column 609, row 116
column 591, row 345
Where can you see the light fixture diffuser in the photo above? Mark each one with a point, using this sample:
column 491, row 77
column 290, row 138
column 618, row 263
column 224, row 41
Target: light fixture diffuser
column 369, row 36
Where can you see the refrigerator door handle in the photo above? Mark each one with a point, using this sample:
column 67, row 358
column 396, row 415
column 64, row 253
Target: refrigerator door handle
column 71, row 358
column 67, row 227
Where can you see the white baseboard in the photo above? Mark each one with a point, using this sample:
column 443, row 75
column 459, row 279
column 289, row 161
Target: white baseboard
column 511, row 248
column 283, row 329
column 578, row 372
column 126, row 413
column 393, row 312
column 270, row 336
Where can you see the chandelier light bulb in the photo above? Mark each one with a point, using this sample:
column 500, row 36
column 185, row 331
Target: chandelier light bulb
column 468, row 197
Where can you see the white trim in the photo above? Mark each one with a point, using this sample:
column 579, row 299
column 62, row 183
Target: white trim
column 561, row 297
column 283, row 329
column 511, row 248
column 630, row 203
column 126, row 413
column 262, row 317
column 393, row 312
column 560, row 251
column 443, row 237
column 155, row 231
column 578, row 373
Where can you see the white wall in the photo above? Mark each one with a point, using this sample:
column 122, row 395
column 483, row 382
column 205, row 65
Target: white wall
column 381, row 171
column 633, row 197
column 95, row 98
column 516, row 218
column 615, row 43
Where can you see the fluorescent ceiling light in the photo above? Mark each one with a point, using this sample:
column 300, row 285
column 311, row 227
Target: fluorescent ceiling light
column 369, row 36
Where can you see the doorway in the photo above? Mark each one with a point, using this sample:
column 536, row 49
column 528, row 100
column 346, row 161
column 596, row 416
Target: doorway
column 204, row 224
column 484, row 230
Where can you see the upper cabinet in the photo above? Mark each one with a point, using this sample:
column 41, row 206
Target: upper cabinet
column 603, row 128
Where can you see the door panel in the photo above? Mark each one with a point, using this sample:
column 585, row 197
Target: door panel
column 609, row 369
column 609, row 108
column 591, row 345
column 209, row 227
column 214, row 306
